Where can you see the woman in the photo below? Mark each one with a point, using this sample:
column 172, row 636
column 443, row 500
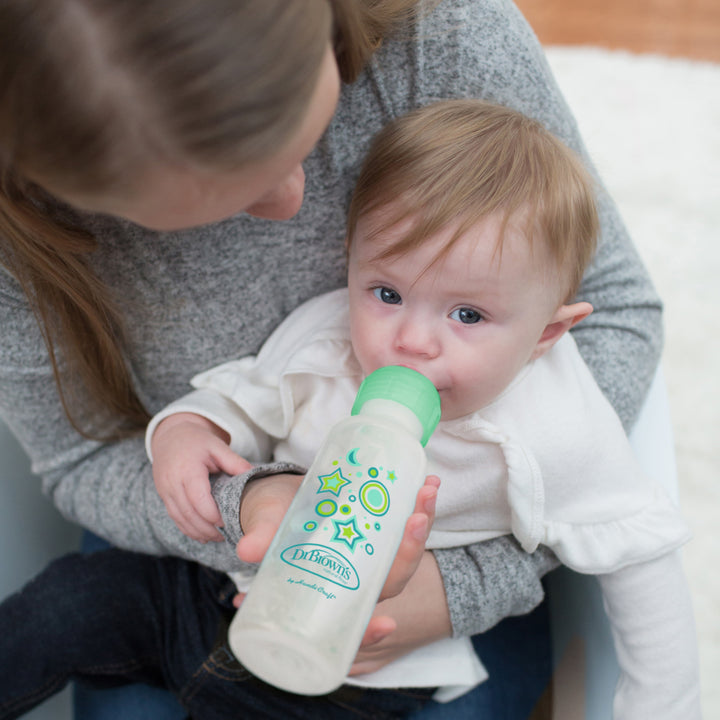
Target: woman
column 146, row 148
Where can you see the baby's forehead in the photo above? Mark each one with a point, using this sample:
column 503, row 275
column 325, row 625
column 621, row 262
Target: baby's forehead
column 468, row 249
column 386, row 235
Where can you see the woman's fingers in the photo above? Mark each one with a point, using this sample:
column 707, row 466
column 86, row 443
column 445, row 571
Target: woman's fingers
column 412, row 545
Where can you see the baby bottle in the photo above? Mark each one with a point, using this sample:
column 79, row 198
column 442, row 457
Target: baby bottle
column 303, row 618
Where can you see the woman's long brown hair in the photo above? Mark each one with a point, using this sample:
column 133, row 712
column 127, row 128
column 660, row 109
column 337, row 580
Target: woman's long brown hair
column 89, row 89
column 79, row 320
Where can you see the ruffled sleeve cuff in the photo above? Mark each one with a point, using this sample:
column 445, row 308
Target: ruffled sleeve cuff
column 246, row 438
column 603, row 547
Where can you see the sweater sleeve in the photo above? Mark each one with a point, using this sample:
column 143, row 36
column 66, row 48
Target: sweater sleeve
column 489, row 581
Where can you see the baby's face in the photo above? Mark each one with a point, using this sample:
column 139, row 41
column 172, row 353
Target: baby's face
column 469, row 321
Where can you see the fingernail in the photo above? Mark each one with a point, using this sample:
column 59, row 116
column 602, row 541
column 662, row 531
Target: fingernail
column 430, row 502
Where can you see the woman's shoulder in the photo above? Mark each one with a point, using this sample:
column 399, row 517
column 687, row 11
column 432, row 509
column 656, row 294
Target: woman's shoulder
column 472, row 48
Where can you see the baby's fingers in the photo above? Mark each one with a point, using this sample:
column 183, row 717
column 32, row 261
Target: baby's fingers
column 201, row 502
column 227, row 461
column 190, row 522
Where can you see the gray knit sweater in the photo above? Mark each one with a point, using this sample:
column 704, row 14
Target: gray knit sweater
column 200, row 297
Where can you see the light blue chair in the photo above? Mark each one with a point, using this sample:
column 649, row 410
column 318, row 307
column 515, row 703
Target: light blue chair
column 32, row 533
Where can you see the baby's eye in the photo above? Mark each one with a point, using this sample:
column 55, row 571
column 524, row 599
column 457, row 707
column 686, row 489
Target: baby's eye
column 466, row 315
column 387, row 295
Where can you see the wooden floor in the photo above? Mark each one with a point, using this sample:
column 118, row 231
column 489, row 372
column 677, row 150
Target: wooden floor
column 677, row 28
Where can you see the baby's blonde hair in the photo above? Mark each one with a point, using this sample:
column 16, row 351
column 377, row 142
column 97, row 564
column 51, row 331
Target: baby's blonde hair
column 460, row 161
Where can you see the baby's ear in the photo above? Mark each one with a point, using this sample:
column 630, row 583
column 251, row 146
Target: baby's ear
column 564, row 318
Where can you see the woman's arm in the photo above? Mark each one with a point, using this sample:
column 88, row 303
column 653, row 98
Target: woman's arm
column 492, row 580
column 478, row 587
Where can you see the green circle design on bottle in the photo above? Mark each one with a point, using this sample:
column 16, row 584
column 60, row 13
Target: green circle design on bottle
column 374, row 497
column 326, row 508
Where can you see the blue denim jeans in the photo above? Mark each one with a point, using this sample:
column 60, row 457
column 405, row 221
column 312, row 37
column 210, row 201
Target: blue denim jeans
column 517, row 653
column 128, row 702
column 115, row 617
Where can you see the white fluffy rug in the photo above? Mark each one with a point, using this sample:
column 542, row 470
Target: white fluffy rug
column 652, row 125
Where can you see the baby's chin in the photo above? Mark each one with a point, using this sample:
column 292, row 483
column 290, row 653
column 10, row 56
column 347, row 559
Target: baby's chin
column 450, row 409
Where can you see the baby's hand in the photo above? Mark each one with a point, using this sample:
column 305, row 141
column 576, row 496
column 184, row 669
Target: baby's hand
column 186, row 450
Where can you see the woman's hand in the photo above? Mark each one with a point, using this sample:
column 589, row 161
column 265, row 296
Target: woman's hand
column 418, row 615
column 412, row 546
